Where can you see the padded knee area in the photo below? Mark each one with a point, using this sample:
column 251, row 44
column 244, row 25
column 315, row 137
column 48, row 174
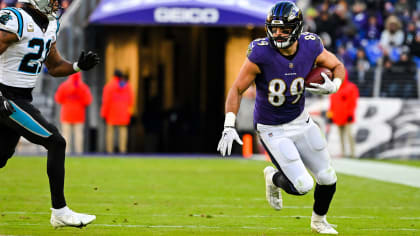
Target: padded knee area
column 304, row 184
column 56, row 141
column 326, row 177
column 298, row 180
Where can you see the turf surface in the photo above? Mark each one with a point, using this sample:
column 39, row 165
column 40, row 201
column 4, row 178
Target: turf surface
column 147, row 196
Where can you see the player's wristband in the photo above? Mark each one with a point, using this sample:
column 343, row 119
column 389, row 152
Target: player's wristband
column 337, row 82
column 75, row 67
column 230, row 119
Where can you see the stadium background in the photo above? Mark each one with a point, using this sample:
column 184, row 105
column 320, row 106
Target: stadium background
column 182, row 56
column 189, row 68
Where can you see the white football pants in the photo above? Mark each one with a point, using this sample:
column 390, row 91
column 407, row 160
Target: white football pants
column 298, row 145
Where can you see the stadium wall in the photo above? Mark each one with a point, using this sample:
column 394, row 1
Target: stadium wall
column 384, row 128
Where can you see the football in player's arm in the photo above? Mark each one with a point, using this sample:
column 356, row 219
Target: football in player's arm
column 278, row 65
column 28, row 40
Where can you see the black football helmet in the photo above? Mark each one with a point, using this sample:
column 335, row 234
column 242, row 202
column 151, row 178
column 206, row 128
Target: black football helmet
column 288, row 17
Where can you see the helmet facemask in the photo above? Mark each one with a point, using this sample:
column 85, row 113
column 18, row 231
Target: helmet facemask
column 287, row 18
column 51, row 8
column 47, row 7
column 290, row 32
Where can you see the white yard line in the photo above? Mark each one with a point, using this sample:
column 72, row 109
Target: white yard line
column 209, row 227
column 394, row 173
column 160, row 226
column 191, row 226
column 218, row 215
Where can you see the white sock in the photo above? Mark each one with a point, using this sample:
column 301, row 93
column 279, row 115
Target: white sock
column 316, row 217
column 60, row 211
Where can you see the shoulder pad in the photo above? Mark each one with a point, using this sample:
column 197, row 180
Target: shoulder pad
column 312, row 41
column 257, row 42
column 11, row 20
column 310, row 36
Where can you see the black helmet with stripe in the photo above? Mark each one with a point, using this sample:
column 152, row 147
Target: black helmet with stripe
column 288, row 17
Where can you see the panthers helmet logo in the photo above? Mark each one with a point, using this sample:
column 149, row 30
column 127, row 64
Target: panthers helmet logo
column 5, row 18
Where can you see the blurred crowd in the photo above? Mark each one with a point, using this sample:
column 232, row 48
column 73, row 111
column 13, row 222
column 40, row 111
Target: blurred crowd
column 362, row 33
column 14, row 3
column 365, row 34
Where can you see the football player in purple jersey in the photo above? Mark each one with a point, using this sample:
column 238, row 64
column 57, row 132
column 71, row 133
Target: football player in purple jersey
column 278, row 65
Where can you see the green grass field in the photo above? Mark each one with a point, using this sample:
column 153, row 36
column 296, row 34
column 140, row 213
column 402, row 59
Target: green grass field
column 414, row 163
column 147, row 196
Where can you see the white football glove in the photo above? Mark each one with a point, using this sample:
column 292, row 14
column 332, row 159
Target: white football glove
column 328, row 87
column 229, row 134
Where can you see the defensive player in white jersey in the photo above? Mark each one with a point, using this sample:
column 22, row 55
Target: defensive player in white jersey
column 28, row 40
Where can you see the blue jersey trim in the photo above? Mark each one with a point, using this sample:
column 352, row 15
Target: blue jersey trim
column 20, row 19
column 58, row 27
column 26, row 121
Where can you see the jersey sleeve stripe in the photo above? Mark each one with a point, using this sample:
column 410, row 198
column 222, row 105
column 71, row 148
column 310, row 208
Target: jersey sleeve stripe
column 20, row 19
column 58, row 27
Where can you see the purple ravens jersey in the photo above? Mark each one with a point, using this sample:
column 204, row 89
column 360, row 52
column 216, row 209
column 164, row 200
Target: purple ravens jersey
column 280, row 86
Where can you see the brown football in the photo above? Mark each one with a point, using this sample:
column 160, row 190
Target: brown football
column 315, row 76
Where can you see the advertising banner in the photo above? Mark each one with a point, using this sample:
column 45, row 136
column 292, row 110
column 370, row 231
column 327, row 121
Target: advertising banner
column 182, row 12
column 384, row 127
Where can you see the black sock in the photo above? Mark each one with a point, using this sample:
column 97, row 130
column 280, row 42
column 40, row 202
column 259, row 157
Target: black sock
column 55, row 171
column 323, row 196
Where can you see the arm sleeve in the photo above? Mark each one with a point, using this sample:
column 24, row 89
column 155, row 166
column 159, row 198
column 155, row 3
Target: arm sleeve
column 11, row 20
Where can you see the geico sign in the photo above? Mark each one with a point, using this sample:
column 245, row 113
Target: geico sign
column 186, row 15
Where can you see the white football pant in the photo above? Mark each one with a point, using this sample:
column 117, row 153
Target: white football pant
column 298, row 145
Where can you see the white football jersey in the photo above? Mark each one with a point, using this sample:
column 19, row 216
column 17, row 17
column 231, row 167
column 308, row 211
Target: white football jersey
column 21, row 63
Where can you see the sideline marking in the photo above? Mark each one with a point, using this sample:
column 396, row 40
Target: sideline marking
column 401, row 174
column 394, row 173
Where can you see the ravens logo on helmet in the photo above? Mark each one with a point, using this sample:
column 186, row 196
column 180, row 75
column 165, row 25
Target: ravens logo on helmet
column 286, row 17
